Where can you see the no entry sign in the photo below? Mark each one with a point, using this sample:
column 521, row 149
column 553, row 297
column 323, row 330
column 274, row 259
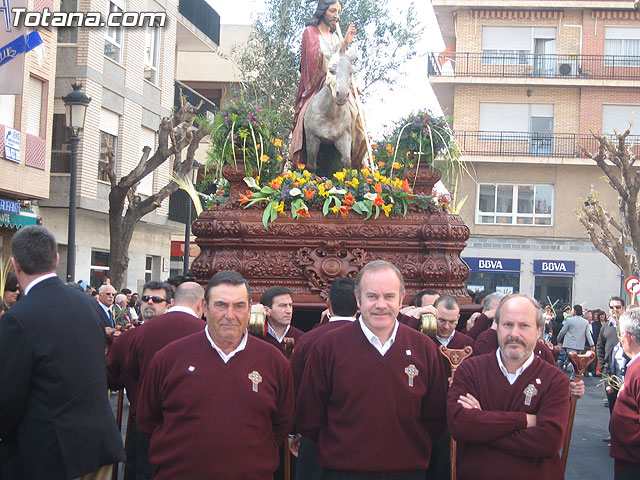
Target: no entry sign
column 632, row 285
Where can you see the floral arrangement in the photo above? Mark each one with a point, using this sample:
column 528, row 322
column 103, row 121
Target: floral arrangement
column 243, row 130
column 348, row 192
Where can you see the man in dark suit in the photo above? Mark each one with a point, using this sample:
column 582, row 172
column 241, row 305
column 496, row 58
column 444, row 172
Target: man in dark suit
column 55, row 419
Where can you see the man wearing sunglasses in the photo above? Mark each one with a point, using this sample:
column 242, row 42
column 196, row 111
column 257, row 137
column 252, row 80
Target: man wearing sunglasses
column 607, row 339
column 156, row 298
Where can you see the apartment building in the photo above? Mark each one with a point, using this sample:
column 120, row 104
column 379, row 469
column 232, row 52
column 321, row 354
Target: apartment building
column 129, row 73
column 26, row 114
column 526, row 83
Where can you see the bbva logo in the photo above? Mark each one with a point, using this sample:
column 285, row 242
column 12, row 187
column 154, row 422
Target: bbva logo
column 493, row 264
column 554, row 267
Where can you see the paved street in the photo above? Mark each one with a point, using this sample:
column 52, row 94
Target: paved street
column 588, row 457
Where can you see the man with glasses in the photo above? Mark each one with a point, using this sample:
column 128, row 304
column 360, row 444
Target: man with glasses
column 106, row 297
column 156, row 296
column 218, row 403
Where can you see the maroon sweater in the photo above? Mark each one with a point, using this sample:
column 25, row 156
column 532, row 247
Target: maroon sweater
column 625, row 421
column 481, row 324
column 303, row 347
column 203, row 416
column 157, row 333
column 117, row 375
column 487, row 342
column 358, row 406
column 493, row 442
column 293, row 332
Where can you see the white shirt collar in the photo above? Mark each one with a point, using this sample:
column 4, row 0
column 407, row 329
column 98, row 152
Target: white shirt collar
column 105, row 308
column 179, row 308
column 512, row 377
column 338, row 318
column 375, row 341
column 224, row 356
column 37, row 281
column 445, row 341
column 273, row 333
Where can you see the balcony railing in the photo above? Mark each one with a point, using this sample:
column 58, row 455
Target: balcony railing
column 532, row 65
column 203, row 16
column 527, row 144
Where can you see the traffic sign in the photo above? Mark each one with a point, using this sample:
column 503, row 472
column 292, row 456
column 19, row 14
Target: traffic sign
column 632, row 285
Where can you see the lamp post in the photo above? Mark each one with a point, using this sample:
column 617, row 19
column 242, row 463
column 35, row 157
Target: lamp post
column 187, row 225
column 76, row 104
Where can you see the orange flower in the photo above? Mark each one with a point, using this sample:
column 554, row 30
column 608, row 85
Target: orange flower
column 368, row 180
column 374, row 146
column 378, row 187
column 245, row 198
column 378, row 201
column 275, row 184
column 309, row 193
column 344, row 210
column 381, row 164
column 405, row 185
column 301, row 166
column 348, row 199
column 303, row 212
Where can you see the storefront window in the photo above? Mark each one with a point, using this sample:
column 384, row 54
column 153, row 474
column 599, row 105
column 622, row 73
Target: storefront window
column 548, row 290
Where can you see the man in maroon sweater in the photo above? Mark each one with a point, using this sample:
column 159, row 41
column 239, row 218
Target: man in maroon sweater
column 217, row 404
column 625, row 433
column 342, row 310
column 183, row 319
column 508, row 410
column 278, row 308
column 158, row 295
column 372, row 394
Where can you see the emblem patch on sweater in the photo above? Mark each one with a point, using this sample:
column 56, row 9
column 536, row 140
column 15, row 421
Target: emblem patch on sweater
column 411, row 372
column 255, row 378
column 529, row 393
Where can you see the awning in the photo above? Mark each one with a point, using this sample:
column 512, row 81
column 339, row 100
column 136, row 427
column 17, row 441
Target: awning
column 22, row 219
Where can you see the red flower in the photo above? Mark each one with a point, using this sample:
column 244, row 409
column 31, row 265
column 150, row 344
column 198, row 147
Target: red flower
column 378, row 187
column 378, row 201
column 303, row 212
column 309, row 193
column 348, row 199
column 245, row 198
column 301, row 166
column 344, row 210
column 405, row 185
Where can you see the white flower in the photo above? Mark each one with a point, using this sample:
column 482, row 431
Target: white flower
column 294, row 192
column 334, row 190
column 371, row 196
column 251, row 182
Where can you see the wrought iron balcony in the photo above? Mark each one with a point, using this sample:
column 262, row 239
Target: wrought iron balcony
column 532, row 65
column 531, row 144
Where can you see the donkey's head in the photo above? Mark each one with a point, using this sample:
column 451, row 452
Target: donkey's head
column 339, row 73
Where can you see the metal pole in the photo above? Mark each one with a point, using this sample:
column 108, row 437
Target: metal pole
column 71, row 235
column 187, row 239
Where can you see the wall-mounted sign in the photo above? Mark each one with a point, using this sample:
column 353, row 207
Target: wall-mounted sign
column 554, row 267
column 494, row 265
column 12, row 144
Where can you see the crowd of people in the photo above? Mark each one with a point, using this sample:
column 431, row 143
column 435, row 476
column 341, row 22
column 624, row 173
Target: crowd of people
column 364, row 394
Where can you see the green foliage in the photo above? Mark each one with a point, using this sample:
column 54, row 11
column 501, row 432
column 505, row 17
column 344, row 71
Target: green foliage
column 271, row 62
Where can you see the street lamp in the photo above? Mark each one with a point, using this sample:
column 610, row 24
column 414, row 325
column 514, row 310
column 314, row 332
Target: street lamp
column 187, row 225
column 76, row 104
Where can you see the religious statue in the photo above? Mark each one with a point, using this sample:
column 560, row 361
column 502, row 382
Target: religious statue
column 326, row 109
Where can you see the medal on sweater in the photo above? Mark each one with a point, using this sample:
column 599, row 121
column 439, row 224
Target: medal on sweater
column 255, row 378
column 411, row 372
column 529, row 393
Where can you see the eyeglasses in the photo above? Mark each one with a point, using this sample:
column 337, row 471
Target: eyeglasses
column 154, row 299
column 450, row 322
column 617, row 307
column 14, row 289
column 109, row 294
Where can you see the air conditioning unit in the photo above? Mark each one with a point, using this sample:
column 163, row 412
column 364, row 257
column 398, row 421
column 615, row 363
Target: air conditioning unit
column 565, row 69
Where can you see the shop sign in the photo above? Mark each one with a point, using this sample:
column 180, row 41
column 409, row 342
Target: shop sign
column 554, row 267
column 493, row 265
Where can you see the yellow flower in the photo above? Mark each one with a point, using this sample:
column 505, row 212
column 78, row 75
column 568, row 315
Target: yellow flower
column 366, row 172
column 280, row 208
column 390, row 149
column 264, row 158
column 397, row 183
column 355, row 182
column 376, row 175
column 302, row 181
column 387, row 209
column 335, row 209
column 277, row 142
column 280, row 159
column 292, row 176
column 339, row 176
column 397, row 165
column 307, row 174
column 321, row 191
